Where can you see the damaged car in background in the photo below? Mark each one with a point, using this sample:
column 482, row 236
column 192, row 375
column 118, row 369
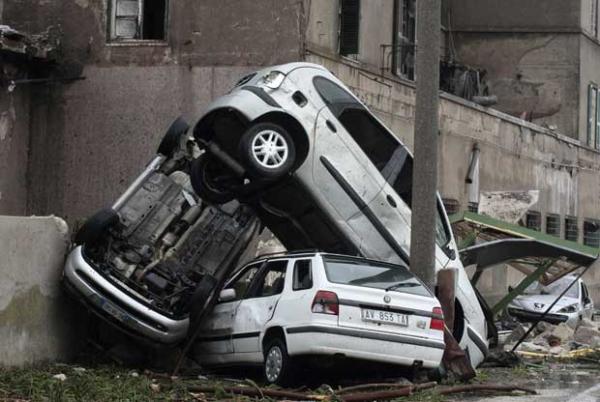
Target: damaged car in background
column 571, row 308
column 321, row 171
column 153, row 259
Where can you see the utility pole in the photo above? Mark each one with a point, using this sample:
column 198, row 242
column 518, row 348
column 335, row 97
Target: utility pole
column 422, row 246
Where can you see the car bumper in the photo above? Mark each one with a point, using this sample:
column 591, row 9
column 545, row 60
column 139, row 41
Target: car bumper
column 113, row 303
column 528, row 316
column 367, row 345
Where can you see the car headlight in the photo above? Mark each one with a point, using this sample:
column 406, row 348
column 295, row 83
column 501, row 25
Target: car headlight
column 568, row 309
column 274, row 79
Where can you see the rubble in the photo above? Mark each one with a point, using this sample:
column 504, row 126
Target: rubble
column 587, row 336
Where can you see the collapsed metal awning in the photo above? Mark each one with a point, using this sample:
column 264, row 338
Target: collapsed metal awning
column 487, row 242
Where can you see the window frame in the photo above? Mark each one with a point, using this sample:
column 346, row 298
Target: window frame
column 556, row 219
column 261, row 275
column 113, row 40
column 295, row 282
column 239, row 274
column 355, row 46
column 538, row 215
column 593, row 116
column 586, row 240
column 569, row 219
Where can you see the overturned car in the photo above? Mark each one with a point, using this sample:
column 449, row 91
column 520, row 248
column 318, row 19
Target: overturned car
column 154, row 258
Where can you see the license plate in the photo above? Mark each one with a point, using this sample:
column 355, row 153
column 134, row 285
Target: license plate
column 110, row 309
column 386, row 317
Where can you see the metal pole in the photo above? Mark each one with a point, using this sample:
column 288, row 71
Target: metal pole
column 422, row 249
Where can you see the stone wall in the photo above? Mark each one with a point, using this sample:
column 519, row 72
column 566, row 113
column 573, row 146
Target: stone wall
column 36, row 321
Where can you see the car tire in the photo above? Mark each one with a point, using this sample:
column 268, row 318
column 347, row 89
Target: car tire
column 170, row 142
column 203, row 184
column 96, row 226
column 278, row 367
column 267, row 151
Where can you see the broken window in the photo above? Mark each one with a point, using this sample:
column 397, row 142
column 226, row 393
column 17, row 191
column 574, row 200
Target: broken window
column 273, row 279
column 571, row 229
column 302, row 275
column 349, row 26
column 242, row 284
column 405, row 40
column 138, row 19
column 553, row 225
column 593, row 129
column 473, row 207
column 533, row 220
column 591, row 233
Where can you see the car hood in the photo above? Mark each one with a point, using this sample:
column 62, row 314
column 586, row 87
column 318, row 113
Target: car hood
column 540, row 303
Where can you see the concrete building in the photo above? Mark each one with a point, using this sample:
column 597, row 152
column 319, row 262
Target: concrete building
column 146, row 62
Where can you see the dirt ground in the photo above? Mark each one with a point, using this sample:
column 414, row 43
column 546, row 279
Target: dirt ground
column 58, row 382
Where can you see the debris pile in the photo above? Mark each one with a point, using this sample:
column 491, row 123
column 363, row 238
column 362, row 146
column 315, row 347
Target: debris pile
column 560, row 340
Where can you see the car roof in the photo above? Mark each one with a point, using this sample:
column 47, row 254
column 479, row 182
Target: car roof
column 312, row 253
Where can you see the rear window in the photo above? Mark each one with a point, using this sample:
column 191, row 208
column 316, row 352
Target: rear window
column 371, row 274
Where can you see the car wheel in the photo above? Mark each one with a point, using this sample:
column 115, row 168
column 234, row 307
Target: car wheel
column 278, row 365
column 172, row 138
column 96, row 226
column 204, row 184
column 267, row 151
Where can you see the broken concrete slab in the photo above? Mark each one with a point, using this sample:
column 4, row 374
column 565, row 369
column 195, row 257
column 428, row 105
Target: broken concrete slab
column 36, row 322
column 563, row 332
column 587, row 335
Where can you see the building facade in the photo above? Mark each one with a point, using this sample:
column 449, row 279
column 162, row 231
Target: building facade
column 145, row 63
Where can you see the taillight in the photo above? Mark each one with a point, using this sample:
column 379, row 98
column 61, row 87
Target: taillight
column 326, row 303
column 436, row 322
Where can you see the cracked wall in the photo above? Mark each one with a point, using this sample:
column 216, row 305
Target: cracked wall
column 533, row 74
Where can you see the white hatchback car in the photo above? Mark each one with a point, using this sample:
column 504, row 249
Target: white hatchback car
column 299, row 304
column 571, row 308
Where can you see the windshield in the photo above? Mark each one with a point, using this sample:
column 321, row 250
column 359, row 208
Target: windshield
column 372, row 274
column 555, row 288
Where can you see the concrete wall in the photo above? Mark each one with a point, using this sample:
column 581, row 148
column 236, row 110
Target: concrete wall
column 14, row 146
column 36, row 322
column 516, row 15
column 536, row 73
column 90, row 138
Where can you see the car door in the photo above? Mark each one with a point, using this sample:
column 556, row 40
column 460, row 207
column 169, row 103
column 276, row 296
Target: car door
column 340, row 168
column 257, row 309
column 219, row 326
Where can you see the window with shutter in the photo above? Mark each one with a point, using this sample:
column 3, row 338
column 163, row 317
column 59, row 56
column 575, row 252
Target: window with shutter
column 138, row 20
column 349, row 27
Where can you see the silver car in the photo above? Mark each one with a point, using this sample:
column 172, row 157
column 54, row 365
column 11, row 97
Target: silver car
column 537, row 298
column 322, row 172
column 153, row 261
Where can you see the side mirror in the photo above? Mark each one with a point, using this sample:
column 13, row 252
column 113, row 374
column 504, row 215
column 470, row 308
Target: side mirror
column 510, row 289
column 587, row 300
column 227, row 295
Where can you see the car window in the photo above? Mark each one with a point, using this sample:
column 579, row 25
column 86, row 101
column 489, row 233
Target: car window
column 584, row 291
column 388, row 155
column 273, row 279
column 373, row 274
column 242, row 283
column 302, row 275
column 555, row 288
